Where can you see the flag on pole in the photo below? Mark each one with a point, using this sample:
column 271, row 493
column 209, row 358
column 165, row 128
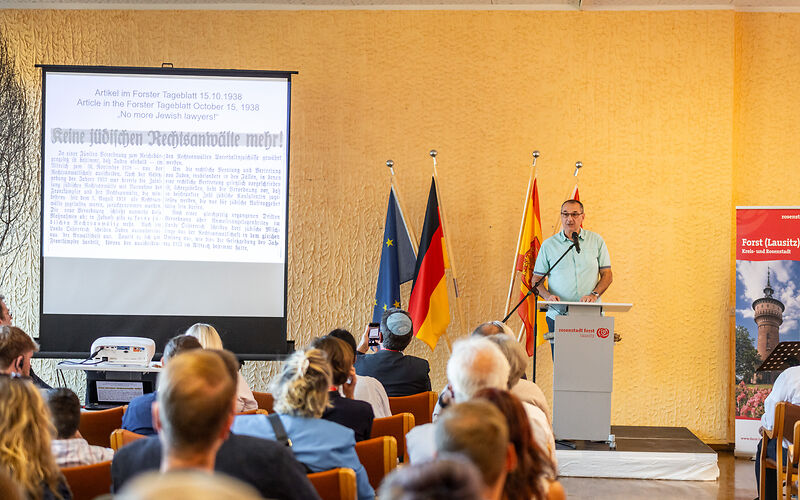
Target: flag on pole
column 397, row 260
column 428, row 305
column 576, row 195
column 529, row 244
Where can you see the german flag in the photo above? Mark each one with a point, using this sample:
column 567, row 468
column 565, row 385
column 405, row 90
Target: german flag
column 428, row 305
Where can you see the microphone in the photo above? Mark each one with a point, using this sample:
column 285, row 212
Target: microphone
column 576, row 242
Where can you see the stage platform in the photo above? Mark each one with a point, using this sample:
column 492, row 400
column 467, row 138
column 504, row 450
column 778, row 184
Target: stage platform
column 642, row 453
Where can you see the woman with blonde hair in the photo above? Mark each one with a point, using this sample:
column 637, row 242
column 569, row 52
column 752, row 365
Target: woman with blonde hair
column 25, row 436
column 210, row 339
column 301, row 397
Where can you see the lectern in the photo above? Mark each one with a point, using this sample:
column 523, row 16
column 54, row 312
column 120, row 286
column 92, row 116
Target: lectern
column 583, row 370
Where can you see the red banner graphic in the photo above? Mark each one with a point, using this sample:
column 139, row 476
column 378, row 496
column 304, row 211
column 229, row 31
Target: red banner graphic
column 768, row 234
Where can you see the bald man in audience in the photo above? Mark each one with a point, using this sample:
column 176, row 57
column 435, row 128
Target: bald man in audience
column 193, row 413
column 477, row 430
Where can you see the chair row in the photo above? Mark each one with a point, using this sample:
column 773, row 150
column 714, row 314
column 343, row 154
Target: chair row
column 96, row 426
column 786, row 425
column 378, row 455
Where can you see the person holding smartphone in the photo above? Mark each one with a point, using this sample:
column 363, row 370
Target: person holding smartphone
column 401, row 375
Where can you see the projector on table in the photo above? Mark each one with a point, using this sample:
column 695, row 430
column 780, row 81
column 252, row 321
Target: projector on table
column 127, row 351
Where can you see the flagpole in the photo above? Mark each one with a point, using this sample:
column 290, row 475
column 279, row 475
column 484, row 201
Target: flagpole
column 535, row 155
column 449, row 248
column 396, row 188
column 571, row 194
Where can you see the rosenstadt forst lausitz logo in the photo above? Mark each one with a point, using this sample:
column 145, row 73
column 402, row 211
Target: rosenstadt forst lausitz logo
column 602, row 332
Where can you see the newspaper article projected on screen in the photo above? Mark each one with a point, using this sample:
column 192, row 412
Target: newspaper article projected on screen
column 164, row 195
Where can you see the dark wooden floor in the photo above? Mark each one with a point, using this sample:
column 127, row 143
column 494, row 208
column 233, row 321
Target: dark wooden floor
column 736, row 481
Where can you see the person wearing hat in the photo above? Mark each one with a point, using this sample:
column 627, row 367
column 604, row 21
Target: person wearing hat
column 400, row 375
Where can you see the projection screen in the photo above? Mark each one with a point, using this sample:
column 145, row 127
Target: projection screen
column 164, row 203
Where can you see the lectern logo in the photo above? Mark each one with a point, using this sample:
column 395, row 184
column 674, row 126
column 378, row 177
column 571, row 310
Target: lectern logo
column 602, row 332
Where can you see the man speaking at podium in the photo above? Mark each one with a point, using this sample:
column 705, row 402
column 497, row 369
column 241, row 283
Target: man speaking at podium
column 583, row 275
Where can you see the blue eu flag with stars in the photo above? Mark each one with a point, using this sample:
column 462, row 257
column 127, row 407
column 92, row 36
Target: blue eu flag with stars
column 397, row 260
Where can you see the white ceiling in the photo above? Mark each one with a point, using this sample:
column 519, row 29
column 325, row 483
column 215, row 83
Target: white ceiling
column 743, row 5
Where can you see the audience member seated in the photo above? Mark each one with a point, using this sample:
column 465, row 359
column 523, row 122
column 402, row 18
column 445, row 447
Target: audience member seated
column 400, row 375
column 187, row 485
column 346, row 411
column 69, row 448
column 474, row 364
column 138, row 416
column 786, row 388
column 482, row 330
column 492, row 328
column 368, row 388
column 25, row 437
column 540, row 424
column 446, row 478
column 193, row 411
column 6, row 320
column 16, row 351
column 264, row 464
column 525, row 390
column 534, row 473
column 210, row 339
column 477, row 430
column 301, row 396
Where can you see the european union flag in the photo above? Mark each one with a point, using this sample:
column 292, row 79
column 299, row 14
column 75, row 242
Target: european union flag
column 397, row 260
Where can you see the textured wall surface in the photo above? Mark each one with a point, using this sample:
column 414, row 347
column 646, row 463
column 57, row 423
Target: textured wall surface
column 644, row 99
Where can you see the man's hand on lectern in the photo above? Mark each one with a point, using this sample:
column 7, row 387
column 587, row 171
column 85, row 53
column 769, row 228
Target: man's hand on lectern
column 589, row 298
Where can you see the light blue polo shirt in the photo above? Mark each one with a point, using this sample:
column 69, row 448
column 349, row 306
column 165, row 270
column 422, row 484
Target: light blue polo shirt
column 578, row 273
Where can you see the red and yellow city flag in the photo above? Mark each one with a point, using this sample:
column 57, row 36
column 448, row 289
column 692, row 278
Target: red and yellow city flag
column 428, row 305
column 576, row 196
column 529, row 244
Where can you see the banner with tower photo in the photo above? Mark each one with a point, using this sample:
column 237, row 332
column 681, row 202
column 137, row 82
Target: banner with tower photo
column 767, row 307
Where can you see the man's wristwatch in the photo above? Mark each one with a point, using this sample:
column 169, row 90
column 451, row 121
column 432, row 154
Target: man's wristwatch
column 595, row 294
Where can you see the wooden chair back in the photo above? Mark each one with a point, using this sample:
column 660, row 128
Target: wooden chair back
column 556, row 491
column 96, row 426
column 396, row 426
column 264, row 400
column 420, row 405
column 786, row 416
column 121, row 437
column 335, row 484
column 378, row 456
column 88, row 481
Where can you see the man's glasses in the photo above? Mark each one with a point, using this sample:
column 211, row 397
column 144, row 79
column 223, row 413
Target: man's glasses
column 567, row 215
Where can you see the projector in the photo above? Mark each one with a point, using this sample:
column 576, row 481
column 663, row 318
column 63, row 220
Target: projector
column 127, row 351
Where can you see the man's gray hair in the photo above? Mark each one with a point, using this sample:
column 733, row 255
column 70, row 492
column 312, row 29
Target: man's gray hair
column 514, row 353
column 476, row 363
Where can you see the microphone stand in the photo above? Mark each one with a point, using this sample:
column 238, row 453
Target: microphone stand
column 535, row 292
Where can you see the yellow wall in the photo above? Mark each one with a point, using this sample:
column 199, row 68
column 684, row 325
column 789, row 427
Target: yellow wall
column 646, row 100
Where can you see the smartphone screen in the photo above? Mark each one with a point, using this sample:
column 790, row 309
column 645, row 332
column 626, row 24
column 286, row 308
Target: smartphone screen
column 374, row 336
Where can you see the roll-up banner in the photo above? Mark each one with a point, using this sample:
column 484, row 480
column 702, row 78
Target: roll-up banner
column 767, row 307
